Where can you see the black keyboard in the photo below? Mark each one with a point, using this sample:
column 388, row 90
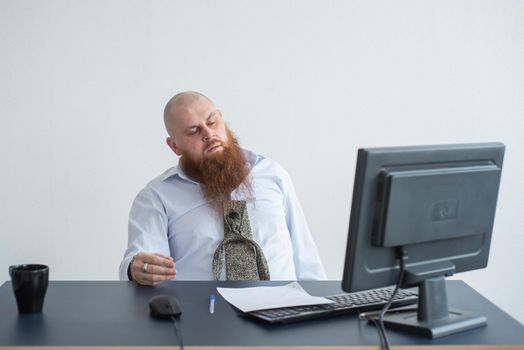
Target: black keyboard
column 373, row 299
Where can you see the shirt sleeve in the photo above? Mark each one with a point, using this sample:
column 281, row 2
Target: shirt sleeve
column 147, row 228
column 308, row 265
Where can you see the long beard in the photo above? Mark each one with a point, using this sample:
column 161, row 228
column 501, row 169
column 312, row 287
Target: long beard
column 221, row 173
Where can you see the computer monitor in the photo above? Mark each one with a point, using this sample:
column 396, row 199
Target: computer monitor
column 435, row 205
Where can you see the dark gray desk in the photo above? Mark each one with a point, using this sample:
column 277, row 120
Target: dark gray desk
column 108, row 314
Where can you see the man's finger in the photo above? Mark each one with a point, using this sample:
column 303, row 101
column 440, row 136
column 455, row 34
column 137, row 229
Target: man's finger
column 166, row 261
column 140, row 280
column 159, row 278
column 160, row 270
column 152, row 268
column 150, row 279
column 163, row 256
column 157, row 259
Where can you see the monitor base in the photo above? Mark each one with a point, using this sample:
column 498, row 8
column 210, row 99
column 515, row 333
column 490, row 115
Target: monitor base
column 456, row 321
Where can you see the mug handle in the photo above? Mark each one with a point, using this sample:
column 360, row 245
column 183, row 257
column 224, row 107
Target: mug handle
column 11, row 268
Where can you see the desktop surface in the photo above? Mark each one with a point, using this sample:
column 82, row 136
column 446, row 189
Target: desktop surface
column 113, row 313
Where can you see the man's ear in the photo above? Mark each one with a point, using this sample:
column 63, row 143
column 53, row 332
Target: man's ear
column 172, row 145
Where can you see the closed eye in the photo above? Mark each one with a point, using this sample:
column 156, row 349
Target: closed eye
column 192, row 131
column 212, row 119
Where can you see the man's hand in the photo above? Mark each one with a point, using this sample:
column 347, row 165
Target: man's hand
column 151, row 268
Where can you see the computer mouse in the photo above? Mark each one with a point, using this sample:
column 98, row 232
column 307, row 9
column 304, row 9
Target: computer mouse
column 164, row 306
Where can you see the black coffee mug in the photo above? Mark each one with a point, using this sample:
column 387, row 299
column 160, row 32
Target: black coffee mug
column 29, row 285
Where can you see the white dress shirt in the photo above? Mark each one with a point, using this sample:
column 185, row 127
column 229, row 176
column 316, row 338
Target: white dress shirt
column 171, row 217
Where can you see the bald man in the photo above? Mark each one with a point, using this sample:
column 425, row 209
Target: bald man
column 176, row 222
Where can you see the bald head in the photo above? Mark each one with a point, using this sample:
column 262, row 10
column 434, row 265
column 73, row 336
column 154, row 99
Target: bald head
column 180, row 102
column 195, row 126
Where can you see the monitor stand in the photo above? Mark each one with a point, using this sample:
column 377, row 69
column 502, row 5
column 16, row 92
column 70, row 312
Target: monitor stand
column 434, row 319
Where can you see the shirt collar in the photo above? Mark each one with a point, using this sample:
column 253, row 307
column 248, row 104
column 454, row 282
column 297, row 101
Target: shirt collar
column 252, row 159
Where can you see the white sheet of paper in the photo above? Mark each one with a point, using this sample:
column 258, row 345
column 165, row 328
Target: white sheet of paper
column 260, row 298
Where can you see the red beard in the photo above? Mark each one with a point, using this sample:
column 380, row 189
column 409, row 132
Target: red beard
column 219, row 173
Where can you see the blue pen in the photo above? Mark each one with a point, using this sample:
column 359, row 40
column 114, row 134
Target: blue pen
column 212, row 304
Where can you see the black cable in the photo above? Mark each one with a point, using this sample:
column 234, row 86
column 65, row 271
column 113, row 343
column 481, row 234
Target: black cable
column 379, row 323
column 380, row 333
column 178, row 333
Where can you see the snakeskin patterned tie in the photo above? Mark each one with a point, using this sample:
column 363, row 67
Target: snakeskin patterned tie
column 244, row 258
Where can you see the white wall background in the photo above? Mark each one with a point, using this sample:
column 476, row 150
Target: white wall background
column 83, row 85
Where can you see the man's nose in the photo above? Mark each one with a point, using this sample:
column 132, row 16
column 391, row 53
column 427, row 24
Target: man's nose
column 208, row 134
